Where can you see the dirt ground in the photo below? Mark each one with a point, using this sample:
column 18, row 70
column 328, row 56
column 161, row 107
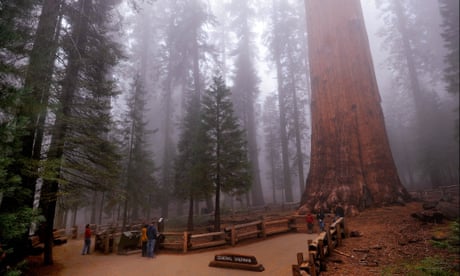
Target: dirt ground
column 390, row 239
column 391, row 243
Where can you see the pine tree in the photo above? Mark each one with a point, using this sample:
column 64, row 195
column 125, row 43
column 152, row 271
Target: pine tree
column 227, row 150
column 450, row 33
column 139, row 178
column 192, row 163
column 16, row 197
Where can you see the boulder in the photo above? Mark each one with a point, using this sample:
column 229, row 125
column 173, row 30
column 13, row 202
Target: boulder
column 448, row 209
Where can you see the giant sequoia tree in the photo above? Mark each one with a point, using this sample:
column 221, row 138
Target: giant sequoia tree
column 351, row 161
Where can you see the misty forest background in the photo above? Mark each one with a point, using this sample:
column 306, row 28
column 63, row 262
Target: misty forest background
column 121, row 111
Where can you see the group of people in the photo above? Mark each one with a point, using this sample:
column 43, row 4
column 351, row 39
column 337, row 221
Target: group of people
column 339, row 213
column 149, row 235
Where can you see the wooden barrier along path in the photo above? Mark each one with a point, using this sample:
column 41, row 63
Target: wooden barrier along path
column 319, row 249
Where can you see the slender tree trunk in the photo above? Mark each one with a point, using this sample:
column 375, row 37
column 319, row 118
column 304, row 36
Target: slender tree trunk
column 283, row 134
column 101, row 209
column 273, row 175
column 93, row 208
column 190, row 214
column 74, row 216
column 298, row 139
column 351, row 159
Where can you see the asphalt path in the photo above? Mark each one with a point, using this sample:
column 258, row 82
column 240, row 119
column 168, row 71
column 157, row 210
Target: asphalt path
column 276, row 254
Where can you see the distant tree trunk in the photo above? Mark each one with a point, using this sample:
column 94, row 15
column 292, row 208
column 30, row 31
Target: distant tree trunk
column 190, row 214
column 287, row 188
column 74, row 216
column 257, row 195
column 93, row 208
column 273, row 176
column 298, row 140
column 101, row 208
column 351, row 159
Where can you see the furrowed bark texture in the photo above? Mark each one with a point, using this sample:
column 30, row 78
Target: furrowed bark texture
column 351, row 160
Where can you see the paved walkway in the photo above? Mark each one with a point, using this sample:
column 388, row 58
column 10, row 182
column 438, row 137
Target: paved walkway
column 276, row 254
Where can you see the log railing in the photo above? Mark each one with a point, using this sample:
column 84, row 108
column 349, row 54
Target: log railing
column 108, row 235
column 319, row 249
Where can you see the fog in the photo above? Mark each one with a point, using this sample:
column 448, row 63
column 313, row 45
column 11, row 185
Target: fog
column 176, row 47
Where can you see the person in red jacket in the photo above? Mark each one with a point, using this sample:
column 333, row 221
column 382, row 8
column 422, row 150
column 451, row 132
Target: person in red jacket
column 309, row 220
column 87, row 243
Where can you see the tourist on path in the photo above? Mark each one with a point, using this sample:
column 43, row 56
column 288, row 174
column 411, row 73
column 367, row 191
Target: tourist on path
column 309, row 220
column 320, row 217
column 144, row 240
column 87, row 244
column 151, row 238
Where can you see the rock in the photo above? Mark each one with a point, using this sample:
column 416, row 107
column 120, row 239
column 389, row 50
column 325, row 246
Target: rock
column 439, row 236
column 429, row 205
column 428, row 216
column 355, row 234
column 448, row 209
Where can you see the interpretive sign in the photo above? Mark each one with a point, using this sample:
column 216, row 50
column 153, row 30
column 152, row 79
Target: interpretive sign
column 237, row 261
column 235, row 258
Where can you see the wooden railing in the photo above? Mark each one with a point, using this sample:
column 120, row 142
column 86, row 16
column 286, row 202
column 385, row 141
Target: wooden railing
column 108, row 235
column 319, row 248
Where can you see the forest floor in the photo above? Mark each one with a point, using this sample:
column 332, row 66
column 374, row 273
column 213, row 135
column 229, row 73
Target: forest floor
column 390, row 242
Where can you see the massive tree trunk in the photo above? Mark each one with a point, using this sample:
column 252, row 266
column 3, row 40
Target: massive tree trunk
column 38, row 81
column 351, row 161
column 50, row 187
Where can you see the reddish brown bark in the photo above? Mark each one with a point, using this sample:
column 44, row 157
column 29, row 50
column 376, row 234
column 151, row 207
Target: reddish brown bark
column 351, row 161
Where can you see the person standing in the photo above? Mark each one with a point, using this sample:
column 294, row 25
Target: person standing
column 339, row 212
column 87, row 244
column 309, row 220
column 144, row 240
column 320, row 217
column 151, row 238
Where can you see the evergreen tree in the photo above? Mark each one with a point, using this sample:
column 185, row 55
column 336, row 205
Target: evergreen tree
column 16, row 214
column 245, row 88
column 450, row 33
column 227, row 151
column 192, row 163
column 411, row 37
column 86, row 84
column 140, row 182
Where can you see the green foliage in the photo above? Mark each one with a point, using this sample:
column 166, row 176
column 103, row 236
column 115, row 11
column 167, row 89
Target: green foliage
column 227, row 151
column 452, row 243
column 191, row 164
column 14, row 225
column 435, row 266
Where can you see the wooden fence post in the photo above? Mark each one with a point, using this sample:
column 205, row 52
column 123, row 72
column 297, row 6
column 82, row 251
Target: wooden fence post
column 233, row 233
column 339, row 234
column 312, row 264
column 320, row 248
column 107, row 243
column 75, row 232
column 263, row 228
column 185, row 242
